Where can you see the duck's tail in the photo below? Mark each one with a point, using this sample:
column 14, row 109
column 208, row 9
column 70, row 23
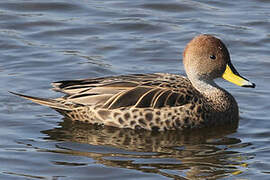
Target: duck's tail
column 52, row 103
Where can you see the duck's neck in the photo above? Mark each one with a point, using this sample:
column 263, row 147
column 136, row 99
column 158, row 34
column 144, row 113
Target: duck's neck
column 218, row 98
column 206, row 87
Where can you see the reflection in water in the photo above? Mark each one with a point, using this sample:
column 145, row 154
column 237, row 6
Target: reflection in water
column 198, row 154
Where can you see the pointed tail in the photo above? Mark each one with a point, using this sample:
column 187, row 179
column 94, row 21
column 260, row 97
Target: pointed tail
column 55, row 104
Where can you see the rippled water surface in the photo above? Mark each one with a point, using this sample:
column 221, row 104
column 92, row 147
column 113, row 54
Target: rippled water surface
column 46, row 41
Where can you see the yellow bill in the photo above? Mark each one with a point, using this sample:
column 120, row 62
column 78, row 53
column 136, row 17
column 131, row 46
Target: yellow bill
column 233, row 76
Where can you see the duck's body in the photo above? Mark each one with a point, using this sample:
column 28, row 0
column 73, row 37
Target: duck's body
column 156, row 101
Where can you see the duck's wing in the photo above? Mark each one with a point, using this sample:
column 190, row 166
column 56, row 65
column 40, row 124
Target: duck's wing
column 137, row 90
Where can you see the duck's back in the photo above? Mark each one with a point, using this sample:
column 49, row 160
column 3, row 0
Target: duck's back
column 137, row 90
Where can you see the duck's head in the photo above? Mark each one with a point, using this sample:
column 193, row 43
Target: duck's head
column 207, row 58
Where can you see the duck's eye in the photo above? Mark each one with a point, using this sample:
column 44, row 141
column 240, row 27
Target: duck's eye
column 213, row 57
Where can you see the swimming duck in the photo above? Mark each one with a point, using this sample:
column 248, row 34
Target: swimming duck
column 158, row 101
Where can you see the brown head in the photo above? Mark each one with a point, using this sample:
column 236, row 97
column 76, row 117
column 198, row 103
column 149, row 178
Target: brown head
column 207, row 58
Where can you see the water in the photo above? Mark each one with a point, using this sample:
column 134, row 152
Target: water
column 46, row 41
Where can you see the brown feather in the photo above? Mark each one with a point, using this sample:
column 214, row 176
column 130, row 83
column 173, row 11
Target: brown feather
column 46, row 102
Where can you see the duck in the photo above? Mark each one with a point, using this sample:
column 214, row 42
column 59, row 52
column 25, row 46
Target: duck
column 156, row 101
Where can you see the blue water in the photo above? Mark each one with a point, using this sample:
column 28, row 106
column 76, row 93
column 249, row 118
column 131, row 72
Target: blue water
column 46, row 41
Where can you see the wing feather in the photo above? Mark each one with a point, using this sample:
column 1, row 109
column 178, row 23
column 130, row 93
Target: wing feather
column 146, row 99
column 160, row 99
column 138, row 90
column 128, row 98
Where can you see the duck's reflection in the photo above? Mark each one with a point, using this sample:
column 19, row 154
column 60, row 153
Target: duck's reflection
column 207, row 153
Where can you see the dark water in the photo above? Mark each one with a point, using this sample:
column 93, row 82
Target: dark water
column 46, row 41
